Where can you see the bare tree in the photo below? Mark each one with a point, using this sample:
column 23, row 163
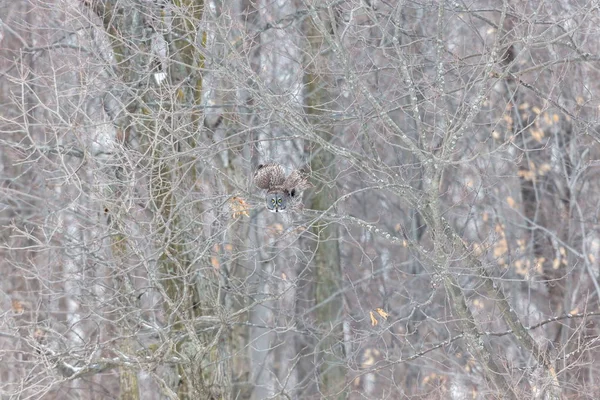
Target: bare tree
column 448, row 248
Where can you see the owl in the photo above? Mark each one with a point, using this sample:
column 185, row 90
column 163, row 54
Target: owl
column 283, row 193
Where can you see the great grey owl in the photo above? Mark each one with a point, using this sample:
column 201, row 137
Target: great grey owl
column 283, row 192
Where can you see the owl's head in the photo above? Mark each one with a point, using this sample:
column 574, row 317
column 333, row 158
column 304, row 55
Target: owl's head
column 276, row 202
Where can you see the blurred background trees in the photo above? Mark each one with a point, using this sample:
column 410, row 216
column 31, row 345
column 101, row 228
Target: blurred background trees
column 449, row 248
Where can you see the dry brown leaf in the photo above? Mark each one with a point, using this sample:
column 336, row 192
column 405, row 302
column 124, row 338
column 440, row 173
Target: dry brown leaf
column 526, row 174
column 39, row 334
column 239, row 207
column 383, row 314
column 539, row 264
column 545, row 167
column 373, row 319
column 501, row 248
column 275, row 229
column 520, row 268
column 18, row 307
column 537, row 134
column 511, row 202
column 556, row 263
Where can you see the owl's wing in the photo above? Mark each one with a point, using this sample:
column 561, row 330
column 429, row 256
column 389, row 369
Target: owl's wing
column 297, row 181
column 269, row 175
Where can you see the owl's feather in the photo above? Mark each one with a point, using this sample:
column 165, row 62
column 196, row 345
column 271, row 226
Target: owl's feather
column 297, row 181
column 268, row 176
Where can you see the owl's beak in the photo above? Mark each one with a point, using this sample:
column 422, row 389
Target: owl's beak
column 277, row 209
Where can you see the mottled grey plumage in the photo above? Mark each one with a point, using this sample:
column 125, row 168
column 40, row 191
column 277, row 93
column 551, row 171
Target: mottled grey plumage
column 282, row 192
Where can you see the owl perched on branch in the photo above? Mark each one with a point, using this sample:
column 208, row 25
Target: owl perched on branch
column 283, row 193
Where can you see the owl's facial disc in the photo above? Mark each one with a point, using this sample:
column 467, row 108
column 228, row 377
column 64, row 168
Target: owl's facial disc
column 276, row 202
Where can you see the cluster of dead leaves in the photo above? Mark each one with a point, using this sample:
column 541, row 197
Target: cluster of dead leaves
column 381, row 313
column 239, row 206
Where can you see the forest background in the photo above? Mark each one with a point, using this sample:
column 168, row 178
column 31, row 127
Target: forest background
column 449, row 247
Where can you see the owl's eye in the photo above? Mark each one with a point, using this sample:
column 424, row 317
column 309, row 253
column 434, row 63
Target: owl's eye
column 279, row 201
column 272, row 201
